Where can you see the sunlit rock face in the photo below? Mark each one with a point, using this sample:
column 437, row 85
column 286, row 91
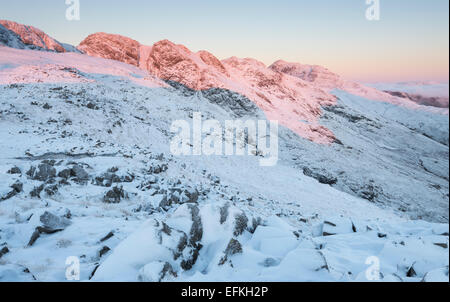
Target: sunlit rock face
column 114, row 47
column 32, row 37
column 293, row 102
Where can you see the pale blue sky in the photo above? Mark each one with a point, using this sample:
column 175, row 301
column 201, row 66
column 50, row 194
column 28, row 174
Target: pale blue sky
column 410, row 42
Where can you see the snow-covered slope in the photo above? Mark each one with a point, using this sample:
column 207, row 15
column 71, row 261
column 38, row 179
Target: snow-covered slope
column 9, row 38
column 293, row 102
column 323, row 78
column 48, row 67
column 86, row 171
column 291, row 93
column 21, row 36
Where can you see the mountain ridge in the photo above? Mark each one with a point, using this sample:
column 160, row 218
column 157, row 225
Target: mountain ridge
column 30, row 37
column 291, row 93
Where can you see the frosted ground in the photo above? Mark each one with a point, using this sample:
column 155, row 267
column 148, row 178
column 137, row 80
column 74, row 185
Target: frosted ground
column 106, row 189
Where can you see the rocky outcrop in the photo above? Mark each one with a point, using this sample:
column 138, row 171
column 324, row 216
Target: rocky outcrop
column 114, row 47
column 20, row 36
column 311, row 73
column 10, row 39
column 323, row 78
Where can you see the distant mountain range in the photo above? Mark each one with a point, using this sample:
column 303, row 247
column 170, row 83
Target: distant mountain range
column 287, row 92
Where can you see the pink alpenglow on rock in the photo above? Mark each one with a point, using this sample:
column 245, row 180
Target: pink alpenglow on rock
column 33, row 36
column 293, row 102
column 324, row 78
column 114, row 47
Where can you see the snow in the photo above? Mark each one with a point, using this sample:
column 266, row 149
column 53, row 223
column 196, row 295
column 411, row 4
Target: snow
column 273, row 253
column 286, row 99
column 36, row 66
column 31, row 37
column 329, row 81
column 289, row 227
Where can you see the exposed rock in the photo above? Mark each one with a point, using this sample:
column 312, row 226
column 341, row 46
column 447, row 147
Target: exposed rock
column 17, row 188
column 236, row 103
column 196, row 232
column 77, row 173
column 14, row 170
column 322, row 177
column 43, row 172
column 50, row 162
column 66, row 173
column 224, row 213
column 115, row 195
column 36, row 192
column 94, row 271
column 67, row 214
column 42, row 230
column 411, row 272
column 108, row 236
column 51, row 190
column 34, row 237
column 337, row 226
column 103, row 251
column 47, row 230
column 157, row 169
column 166, row 229
column 156, row 271
column 255, row 223
column 192, row 196
column 240, row 224
column 81, row 176
column 167, row 270
column 127, row 178
column 32, row 38
column 195, row 236
column 368, row 191
column 234, row 247
column 50, row 224
column 4, row 251
column 182, row 244
column 442, row 245
column 165, row 203
column 92, row 106
column 109, row 178
column 148, row 183
column 114, row 47
column 338, row 110
column 113, row 169
column 52, row 221
column 10, row 39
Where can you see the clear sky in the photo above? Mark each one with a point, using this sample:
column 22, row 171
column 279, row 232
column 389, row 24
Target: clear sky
column 410, row 42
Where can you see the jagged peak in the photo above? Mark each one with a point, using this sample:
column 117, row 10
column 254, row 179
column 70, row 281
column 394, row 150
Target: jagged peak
column 33, row 37
column 211, row 60
column 112, row 46
column 105, row 34
column 235, row 61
